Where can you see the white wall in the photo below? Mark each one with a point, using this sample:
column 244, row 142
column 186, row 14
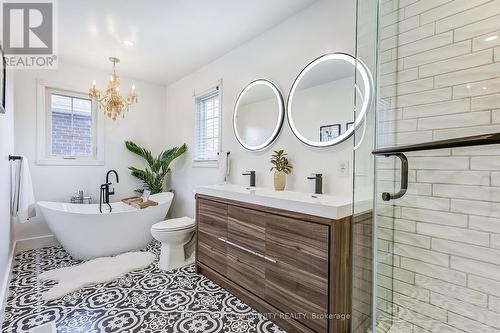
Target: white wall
column 279, row 54
column 6, row 144
column 144, row 124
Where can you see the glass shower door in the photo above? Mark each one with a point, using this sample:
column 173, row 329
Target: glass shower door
column 436, row 250
column 363, row 276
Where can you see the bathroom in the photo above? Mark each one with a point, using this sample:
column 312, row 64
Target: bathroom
column 311, row 166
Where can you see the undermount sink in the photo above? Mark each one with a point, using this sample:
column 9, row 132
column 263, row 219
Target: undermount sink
column 323, row 205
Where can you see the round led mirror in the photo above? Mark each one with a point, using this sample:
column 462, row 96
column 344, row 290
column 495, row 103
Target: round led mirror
column 258, row 115
column 323, row 98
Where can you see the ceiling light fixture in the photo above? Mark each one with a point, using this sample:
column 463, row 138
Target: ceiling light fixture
column 110, row 100
column 491, row 38
column 128, row 43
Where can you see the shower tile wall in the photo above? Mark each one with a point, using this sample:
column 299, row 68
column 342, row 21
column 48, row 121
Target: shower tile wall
column 440, row 78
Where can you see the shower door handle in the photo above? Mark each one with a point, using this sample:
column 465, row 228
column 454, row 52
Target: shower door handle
column 469, row 141
column 386, row 196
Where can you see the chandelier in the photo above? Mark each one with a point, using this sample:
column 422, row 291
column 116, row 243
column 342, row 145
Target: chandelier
column 110, row 101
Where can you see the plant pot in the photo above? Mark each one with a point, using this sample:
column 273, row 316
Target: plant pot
column 279, row 180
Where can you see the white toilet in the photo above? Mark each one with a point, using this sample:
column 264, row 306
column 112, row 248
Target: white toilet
column 173, row 234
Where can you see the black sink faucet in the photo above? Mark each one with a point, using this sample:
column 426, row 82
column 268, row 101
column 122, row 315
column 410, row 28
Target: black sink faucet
column 318, row 186
column 105, row 192
column 252, row 177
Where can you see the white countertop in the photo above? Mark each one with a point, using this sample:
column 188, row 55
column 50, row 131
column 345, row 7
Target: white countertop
column 323, row 205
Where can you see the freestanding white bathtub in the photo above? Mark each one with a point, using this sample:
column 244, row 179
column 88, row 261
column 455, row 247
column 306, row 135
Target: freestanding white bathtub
column 86, row 233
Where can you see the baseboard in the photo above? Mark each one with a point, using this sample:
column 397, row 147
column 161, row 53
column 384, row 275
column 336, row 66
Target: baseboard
column 17, row 247
column 34, row 243
column 5, row 283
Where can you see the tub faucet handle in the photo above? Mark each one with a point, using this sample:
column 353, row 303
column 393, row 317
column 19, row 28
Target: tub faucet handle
column 112, row 192
column 104, row 197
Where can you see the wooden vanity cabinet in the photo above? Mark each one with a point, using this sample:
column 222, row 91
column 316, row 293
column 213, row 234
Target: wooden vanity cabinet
column 278, row 262
column 298, row 281
column 212, row 226
column 246, row 228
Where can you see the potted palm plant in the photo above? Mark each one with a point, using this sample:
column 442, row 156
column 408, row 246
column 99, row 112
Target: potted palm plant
column 281, row 167
column 153, row 177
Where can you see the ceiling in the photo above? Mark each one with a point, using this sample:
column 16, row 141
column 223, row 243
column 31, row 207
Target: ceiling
column 172, row 38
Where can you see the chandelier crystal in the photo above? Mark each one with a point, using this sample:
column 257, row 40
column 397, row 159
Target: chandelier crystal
column 110, row 101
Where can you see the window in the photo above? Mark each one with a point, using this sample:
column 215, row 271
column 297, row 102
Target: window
column 70, row 131
column 71, row 126
column 208, row 127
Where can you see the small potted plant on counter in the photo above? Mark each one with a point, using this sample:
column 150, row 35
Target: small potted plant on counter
column 281, row 167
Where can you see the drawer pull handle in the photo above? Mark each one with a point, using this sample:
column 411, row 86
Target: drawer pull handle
column 257, row 254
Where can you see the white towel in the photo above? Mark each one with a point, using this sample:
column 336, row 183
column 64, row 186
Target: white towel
column 224, row 165
column 24, row 205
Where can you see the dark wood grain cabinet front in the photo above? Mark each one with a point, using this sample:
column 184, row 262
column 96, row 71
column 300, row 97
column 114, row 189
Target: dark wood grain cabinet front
column 297, row 282
column 246, row 233
column 279, row 262
column 211, row 229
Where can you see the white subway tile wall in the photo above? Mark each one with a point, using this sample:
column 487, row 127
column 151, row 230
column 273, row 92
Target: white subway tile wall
column 439, row 246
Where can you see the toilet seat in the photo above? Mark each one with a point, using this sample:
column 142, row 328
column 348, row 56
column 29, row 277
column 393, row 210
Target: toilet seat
column 177, row 224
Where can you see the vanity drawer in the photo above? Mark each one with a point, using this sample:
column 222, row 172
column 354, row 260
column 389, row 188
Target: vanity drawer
column 246, row 270
column 246, row 247
column 298, row 282
column 212, row 226
column 247, row 228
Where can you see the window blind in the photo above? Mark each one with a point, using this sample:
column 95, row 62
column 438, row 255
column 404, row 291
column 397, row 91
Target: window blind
column 207, row 126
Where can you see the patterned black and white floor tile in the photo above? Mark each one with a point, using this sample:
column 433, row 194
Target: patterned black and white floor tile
column 145, row 301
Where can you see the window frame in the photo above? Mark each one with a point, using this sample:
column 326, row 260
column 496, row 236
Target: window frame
column 44, row 128
column 204, row 163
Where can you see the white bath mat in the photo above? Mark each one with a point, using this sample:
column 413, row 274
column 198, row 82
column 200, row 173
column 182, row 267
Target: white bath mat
column 94, row 271
column 45, row 328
